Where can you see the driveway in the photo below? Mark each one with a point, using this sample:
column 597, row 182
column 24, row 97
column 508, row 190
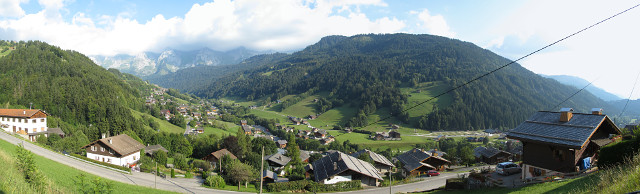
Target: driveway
column 426, row 183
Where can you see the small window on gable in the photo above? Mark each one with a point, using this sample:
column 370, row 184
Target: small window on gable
column 102, row 149
column 34, row 120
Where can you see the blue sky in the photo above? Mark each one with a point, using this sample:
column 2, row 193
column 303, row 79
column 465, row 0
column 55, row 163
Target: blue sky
column 509, row 28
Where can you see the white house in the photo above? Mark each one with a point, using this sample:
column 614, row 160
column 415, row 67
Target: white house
column 120, row 150
column 27, row 122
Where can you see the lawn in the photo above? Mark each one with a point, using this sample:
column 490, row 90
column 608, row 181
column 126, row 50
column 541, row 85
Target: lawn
column 427, row 91
column 63, row 176
column 407, row 142
column 220, row 132
column 335, row 116
column 5, row 53
column 303, row 108
column 164, row 124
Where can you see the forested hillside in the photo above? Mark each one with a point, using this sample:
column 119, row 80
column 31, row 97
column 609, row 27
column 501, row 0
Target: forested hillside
column 69, row 86
column 367, row 72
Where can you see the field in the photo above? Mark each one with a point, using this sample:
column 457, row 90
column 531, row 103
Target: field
column 407, row 143
column 63, row 176
column 232, row 129
column 164, row 124
column 2, row 54
column 426, row 91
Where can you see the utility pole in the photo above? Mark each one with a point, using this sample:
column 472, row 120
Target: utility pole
column 390, row 181
column 155, row 182
column 261, row 169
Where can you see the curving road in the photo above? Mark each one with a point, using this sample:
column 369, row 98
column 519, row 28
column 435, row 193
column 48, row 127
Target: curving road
column 182, row 185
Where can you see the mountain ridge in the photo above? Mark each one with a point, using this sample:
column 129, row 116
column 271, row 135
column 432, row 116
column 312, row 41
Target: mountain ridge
column 580, row 83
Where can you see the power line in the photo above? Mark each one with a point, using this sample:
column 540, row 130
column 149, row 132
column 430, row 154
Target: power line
column 506, row 65
column 629, row 99
column 555, row 107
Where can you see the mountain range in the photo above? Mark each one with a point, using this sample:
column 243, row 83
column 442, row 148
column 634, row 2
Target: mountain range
column 581, row 83
column 372, row 72
column 152, row 64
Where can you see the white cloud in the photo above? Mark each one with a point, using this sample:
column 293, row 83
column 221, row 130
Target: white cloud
column 605, row 51
column 434, row 24
column 11, row 8
column 220, row 25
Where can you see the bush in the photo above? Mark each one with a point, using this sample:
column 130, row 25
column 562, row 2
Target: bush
column 287, row 186
column 341, row 186
column 173, row 173
column 201, row 164
column 101, row 163
column 615, row 154
column 215, row 181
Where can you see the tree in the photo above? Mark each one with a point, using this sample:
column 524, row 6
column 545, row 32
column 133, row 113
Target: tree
column 180, row 161
column 215, row 181
column 293, row 151
column 240, row 172
column 365, row 157
column 41, row 139
column 270, row 147
column 160, row 157
column 243, row 144
column 485, row 141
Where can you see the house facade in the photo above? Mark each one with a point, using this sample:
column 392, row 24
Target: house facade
column 120, row 150
column 26, row 122
column 562, row 142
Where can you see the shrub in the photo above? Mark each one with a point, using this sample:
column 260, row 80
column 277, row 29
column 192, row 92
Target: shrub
column 201, row 164
column 341, row 186
column 614, row 154
column 173, row 173
column 287, row 186
column 215, row 181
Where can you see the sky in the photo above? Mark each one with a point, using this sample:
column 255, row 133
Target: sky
column 606, row 53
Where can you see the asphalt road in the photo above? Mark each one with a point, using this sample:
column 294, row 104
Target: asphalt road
column 182, row 185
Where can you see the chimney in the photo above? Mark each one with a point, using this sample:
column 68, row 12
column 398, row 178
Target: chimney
column 24, row 112
column 335, row 166
column 566, row 114
column 596, row 111
column 110, row 142
column 104, row 135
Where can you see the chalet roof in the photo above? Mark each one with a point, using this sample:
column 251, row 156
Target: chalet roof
column 487, row 152
column 436, row 152
column 304, row 155
column 412, row 159
column 121, row 144
column 374, row 156
column 279, row 159
column 281, row 142
column 57, row 131
column 546, row 127
column 246, row 128
column 322, row 131
column 270, row 175
column 19, row 113
column 338, row 162
column 153, row 148
column 218, row 154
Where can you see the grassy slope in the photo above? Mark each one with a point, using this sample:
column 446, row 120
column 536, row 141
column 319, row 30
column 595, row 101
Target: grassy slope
column 63, row 176
column 164, row 124
column 232, row 129
column 5, row 53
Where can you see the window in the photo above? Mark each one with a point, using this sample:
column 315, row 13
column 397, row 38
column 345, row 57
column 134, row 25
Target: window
column 102, row 149
column 35, row 130
column 41, row 128
column 34, row 120
column 93, row 148
column 134, row 157
column 42, row 120
column 109, row 160
column 26, row 120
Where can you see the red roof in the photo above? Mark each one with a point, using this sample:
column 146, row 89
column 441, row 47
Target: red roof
column 21, row 113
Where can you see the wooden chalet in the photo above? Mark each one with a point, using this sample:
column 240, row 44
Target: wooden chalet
column 562, row 142
column 26, row 122
column 416, row 162
column 282, row 143
column 338, row 167
column 381, row 163
column 120, row 150
column 214, row 157
column 491, row 155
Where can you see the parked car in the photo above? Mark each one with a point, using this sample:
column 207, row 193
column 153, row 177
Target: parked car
column 508, row 168
column 432, row 173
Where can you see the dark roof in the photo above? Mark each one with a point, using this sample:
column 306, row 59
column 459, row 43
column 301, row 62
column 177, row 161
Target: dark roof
column 281, row 142
column 153, row 148
column 269, row 174
column 279, row 159
column 487, row 152
column 338, row 162
column 436, row 152
column 374, row 156
column 412, row 159
column 546, row 127
column 121, row 144
column 49, row 131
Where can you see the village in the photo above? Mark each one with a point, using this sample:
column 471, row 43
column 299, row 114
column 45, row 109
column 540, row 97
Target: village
column 547, row 146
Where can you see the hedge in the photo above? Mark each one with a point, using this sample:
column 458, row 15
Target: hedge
column 614, row 154
column 101, row 163
column 310, row 186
